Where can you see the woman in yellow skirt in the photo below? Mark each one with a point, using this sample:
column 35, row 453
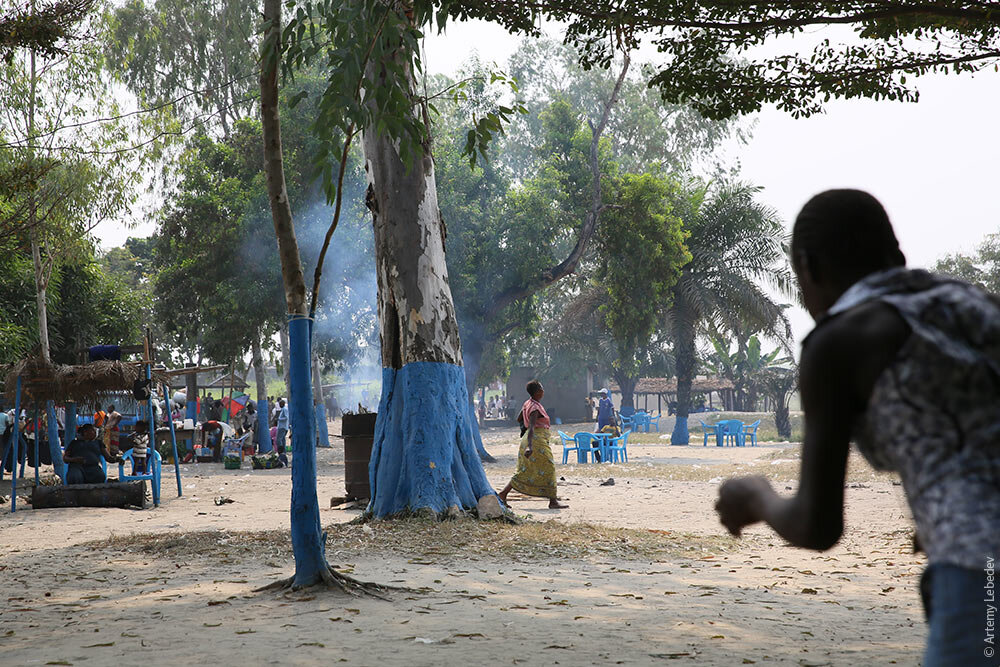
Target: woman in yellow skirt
column 536, row 469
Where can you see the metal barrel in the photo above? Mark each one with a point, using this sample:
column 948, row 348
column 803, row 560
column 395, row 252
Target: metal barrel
column 359, row 434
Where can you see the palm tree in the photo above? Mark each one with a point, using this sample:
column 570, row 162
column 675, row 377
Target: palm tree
column 737, row 246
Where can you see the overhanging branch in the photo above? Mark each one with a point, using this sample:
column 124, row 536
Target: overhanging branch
column 568, row 265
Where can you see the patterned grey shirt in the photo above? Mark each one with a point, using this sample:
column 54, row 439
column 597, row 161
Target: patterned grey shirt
column 934, row 412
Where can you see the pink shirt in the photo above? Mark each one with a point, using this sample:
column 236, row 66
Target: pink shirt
column 531, row 405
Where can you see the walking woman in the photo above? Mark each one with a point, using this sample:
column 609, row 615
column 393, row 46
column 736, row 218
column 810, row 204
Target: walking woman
column 907, row 364
column 536, row 470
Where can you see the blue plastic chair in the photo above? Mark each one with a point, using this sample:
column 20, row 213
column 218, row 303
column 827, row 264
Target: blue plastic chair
column 566, row 439
column 711, row 429
column 640, row 420
column 153, row 471
column 625, row 422
column 626, row 412
column 586, row 442
column 750, row 431
column 732, row 433
column 654, row 422
column 617, row 449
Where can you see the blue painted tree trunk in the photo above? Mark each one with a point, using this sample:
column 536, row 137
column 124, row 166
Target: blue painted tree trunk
column 477, row 436
column 70, row 422
column 191, row 398
column 263, row 427
column 322, row 430
column 680, row 435
column 15, row 440
column 55, row 449
column 173, row 441
column 307, row 535
column 424, row 456
column 472, row 354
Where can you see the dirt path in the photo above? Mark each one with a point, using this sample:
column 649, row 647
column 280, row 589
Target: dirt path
column 653, row 581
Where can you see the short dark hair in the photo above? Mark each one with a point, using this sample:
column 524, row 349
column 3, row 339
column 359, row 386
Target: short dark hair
column 143, row 423
column 850, row 230
column 533, row 388
column 111, row 408
column 88, row 426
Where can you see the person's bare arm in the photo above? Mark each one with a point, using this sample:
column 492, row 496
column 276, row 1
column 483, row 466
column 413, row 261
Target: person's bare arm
column 837, row 373
column 531, row 432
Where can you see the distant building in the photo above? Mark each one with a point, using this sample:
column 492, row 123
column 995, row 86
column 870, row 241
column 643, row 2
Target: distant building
column 565, row 391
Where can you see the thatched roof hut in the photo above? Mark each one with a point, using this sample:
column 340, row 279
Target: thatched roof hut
column 85, row 383
column 666, row 389
column 667, row 386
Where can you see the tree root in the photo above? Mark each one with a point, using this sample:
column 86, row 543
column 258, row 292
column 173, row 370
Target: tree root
column 331, row 579
column 368, row 517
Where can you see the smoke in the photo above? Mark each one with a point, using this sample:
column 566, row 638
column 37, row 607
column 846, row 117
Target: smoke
column 345, row 331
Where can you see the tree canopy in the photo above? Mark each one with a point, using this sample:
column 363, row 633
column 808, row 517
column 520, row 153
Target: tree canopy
column 726, row 58
column 981, row 267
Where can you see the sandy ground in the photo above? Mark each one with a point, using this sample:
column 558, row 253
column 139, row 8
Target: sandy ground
column 649, row 578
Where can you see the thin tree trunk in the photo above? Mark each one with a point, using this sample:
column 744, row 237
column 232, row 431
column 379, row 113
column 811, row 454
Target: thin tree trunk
column 263, row 409
column 472, row 353
column 41, row 281
column 283, row 337
column 191, row 400
column 307, row 541
column 41, row 294
column 568, row 265
column 319, row 406
column 684, row 341
column 259, row 374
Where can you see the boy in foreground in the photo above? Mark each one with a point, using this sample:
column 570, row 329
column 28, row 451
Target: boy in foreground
column 907, row 364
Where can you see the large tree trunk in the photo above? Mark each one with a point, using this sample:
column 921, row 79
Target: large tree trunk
column 424, row 456
column 627, row 387
column 781, row 420
column 263, row 409
column 685, row 355
column 307, row 536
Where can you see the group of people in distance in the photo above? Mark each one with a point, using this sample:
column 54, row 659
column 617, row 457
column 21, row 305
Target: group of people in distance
column 905, row 364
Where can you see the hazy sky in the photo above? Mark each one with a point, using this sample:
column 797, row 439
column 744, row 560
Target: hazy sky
column 932, row 164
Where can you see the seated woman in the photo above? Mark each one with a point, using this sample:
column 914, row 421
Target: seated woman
column 83, row 457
